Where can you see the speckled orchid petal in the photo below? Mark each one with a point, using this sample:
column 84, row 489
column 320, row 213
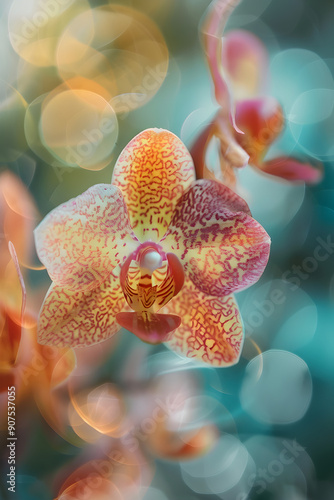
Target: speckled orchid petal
column 222, row 247
column 83, row 240
column 152, row 172
column 245, row 60
column 78, row 319
column 262, row 120
column 211, row 330
column 292, row 170
column 212, row 30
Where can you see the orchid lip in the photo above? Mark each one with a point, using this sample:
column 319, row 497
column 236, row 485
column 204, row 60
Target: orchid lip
column 150, row 278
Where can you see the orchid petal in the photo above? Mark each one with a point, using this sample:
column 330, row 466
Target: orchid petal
column 292, row 170
column 152, row 172
column 211, row 328
column 18, row 216
column 262, row 121
column 245, row 59
column 10, row 338
column 83, row 240
column 78, row 319
column 223, row 249
column 15, row 260
column 212, row 31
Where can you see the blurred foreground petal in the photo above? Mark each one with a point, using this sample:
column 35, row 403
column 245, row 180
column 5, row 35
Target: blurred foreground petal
column 293, row 170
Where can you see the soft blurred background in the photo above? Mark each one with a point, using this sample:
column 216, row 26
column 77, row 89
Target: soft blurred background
column 262, row 429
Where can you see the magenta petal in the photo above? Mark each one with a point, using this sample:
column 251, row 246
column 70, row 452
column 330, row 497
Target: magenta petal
column 223, row 249
column 293, row 170
column 262, row 121
column 176, row 269
column 246, row 62
column 149, row 327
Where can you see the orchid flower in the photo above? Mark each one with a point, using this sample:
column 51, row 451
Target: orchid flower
column 153, row 239
column 248, row 121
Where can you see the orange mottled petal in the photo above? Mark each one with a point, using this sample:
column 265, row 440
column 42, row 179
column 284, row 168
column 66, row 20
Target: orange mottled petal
column 11, row 320
column 77, row 319
column 245, row 59
column 83, row 240
column 211, row 328
column 292, row 170
column 18, row 216
column 222, row 247
column 152, row 172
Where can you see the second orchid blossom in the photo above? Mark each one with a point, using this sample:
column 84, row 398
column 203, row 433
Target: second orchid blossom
column 154, row 240
column 248, row 120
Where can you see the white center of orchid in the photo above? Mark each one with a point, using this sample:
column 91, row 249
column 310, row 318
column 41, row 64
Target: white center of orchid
column 151, row 261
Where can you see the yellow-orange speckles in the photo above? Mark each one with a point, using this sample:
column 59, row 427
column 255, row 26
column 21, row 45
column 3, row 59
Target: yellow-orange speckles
column 211, row 329
column 80, row 318
column 78, row 242
column 153, row 172
column 222, row 247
